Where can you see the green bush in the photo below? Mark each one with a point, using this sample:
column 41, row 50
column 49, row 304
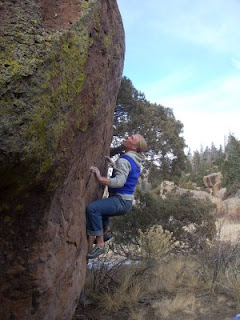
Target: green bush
column 232, row 189
column 173, row 213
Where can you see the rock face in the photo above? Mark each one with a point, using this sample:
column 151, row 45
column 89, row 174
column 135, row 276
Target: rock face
column 61, row 66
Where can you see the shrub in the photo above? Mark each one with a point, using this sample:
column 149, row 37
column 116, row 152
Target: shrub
column 216, row 260
column 155, row 242
column 173, row 213
column 232, row 189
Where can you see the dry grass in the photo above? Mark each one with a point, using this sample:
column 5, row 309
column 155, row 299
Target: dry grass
column 126, row 292
column 183, row 303
column 170, row 275
column 176, row 273
column 228, row 230
column 233, row 283
column 137, row 314
column 201, row 286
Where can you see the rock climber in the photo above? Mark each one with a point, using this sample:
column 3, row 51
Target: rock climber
column 121, row 186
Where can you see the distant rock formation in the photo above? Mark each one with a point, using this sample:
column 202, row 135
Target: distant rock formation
column 61, row 66
column 213, row 183
column 169, row 187
column 229, row 207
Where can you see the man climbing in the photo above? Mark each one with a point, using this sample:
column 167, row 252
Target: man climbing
column 121, row 187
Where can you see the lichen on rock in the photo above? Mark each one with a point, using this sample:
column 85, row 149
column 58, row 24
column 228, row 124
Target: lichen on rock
column 40, row 85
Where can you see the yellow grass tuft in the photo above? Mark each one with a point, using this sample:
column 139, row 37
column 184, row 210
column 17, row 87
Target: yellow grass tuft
column 178, row 272
column 127, row 292
column 137, row 314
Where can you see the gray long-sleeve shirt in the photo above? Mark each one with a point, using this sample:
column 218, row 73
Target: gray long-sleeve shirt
column 122, row 168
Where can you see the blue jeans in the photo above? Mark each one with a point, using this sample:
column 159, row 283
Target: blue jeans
column 99, row 211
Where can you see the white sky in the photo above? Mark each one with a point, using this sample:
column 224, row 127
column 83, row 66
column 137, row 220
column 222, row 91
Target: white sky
column 185, row 54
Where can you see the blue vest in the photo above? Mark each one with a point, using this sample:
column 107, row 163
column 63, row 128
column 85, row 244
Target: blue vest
column 132, row 179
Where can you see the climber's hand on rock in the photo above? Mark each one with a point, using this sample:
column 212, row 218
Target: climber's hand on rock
column 96, row 171
column 101, row 179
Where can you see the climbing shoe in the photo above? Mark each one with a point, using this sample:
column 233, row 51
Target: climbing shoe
column 107, row 236
column 96, row 251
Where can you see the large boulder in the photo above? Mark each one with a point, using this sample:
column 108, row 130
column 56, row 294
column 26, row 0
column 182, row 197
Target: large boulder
column 61, row 66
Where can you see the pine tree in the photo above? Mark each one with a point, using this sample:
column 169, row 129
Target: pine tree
column 134, row 114
column 231, row 168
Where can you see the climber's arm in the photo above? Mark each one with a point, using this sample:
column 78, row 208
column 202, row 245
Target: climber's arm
column 122, row 169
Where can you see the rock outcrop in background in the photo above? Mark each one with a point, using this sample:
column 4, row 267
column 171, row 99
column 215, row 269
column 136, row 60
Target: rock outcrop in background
column 169, row 187
column 224, row 208
column 61, row 65
column 213, row 183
